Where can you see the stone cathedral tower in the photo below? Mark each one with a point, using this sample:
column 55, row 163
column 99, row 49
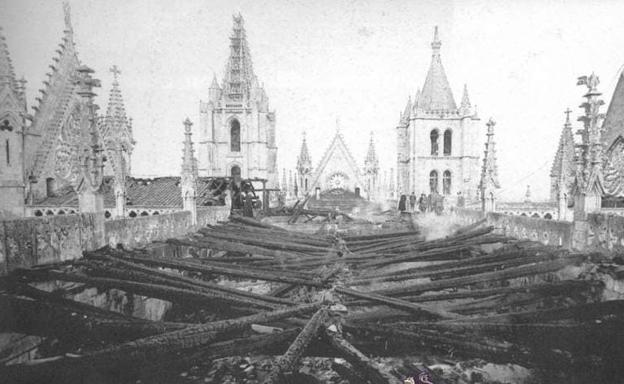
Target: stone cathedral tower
column 436, row 139
column 237, row 128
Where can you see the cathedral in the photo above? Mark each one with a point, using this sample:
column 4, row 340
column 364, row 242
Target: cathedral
column 64, row 144
column 237, row 127
column 437, row 141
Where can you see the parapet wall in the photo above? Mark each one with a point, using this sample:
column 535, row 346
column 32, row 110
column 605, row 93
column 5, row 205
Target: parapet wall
column 549, row 232
column 602, row 232
column 49, row 239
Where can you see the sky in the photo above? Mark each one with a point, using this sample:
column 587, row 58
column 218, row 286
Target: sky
column 319, row 61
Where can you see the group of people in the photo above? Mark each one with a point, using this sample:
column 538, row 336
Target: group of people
column 434, row 202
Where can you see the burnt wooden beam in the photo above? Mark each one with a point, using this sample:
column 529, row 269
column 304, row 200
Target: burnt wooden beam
column 368, row 368
column 288, row 361
column 525, row 270
column 196, row 267
column 399, row 304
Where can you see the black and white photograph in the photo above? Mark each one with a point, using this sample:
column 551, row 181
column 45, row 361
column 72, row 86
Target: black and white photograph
column 311, row 192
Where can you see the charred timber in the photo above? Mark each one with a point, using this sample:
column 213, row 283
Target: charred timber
column 288, row 361
column 195, row 267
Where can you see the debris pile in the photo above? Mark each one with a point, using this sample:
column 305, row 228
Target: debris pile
column 376, row 308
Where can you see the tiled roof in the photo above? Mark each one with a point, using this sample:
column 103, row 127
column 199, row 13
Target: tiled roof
column 160, row 192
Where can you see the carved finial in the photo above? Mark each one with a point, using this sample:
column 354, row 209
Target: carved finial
column 187, row 125
column 567, row 113
column 116, row 72
column 67, row 12
column 436, row 43
column 591, row 82
column 490, row 124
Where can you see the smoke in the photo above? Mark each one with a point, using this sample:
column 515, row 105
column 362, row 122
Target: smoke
column 432, row 226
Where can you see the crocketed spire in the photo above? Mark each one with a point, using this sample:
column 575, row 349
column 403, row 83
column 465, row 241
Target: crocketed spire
column 116, row 119
column 239, row 75
column 563, row 169
column 436, row 93
column 304, row 161
column 489, row 170
column 371, row 162
column 189, row 163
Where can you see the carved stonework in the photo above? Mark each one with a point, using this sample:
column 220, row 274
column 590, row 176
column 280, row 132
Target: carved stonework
column 613, row 171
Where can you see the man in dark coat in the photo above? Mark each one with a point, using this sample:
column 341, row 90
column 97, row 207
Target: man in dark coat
column 412, row 201
column 402, row 203
column 248, row 206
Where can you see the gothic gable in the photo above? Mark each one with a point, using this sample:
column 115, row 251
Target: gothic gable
column 337, row 168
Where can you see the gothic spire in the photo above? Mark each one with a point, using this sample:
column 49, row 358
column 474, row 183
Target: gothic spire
column 189, row 163
column 116, row 119
column 304, row 161
column 489, row 170
column 239, row 74
column 371, row 162
column 436, row 93
column 563, row 167
column 215, row 83
column 465, row 103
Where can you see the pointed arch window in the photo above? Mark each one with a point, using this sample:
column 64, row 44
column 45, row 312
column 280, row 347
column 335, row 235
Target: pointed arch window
column 446, row 182
column 448, row 142
column 235, row 142
column 8, row 153
column 433, row 181
column 434, row 135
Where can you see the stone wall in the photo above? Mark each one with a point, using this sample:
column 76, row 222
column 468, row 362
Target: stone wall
column 550, row 232
column 48, row 239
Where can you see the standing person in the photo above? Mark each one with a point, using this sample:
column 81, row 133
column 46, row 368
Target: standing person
column 412, row 201
column 460, row 200
column 227, row 199
column 402, row 203
column 422, row 203
column 248, row 206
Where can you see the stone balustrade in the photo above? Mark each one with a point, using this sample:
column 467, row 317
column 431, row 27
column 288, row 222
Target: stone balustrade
column 49, row 239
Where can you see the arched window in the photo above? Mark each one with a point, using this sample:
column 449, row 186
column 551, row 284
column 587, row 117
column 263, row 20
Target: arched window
column 107, row 214
column 38, row 213
column 433, row 181
column 235, row 171
column 49, row 212
column 446, row 181
column 8, row 153
column 434, row 142
column 144, row 213
column 306, row 183
column 235, row 144
column 50, row 186
column 448, row 142
column 132, row 214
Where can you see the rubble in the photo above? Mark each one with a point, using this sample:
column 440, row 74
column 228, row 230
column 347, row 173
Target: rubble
column 373, row 307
